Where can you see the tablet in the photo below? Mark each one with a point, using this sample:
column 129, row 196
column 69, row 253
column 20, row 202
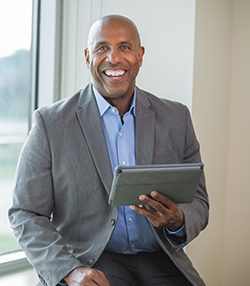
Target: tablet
column 176, row 181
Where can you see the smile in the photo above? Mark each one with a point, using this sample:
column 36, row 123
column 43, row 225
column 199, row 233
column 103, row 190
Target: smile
column 114, row 73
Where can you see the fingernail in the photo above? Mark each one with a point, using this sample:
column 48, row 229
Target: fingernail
column 142, row 198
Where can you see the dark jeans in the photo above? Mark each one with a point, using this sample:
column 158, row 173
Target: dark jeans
column 141, row 269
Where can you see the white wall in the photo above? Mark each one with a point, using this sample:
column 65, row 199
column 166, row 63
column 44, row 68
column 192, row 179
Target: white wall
column 167, row 32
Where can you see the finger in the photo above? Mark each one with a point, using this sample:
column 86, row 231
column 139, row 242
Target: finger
column 163, row 199
column 157, row 205
column 151, row 215
column 164, row 216
column 138, row 208
column 99, row 278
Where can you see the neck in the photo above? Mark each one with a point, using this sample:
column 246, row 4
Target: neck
column 123, row 106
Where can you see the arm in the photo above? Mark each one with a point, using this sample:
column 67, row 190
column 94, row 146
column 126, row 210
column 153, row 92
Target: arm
column 194, row 215
column 30, row 214
column 197, row 213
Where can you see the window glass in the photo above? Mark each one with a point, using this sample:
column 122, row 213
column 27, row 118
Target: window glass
column 15, row 96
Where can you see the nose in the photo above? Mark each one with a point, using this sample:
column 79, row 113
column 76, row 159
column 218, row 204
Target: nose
column 114, row 56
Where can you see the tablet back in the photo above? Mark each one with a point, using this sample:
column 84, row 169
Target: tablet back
column 177, row 181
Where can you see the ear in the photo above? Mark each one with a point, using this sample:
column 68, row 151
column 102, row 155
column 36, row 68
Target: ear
column 86, row 53
column 141, row 53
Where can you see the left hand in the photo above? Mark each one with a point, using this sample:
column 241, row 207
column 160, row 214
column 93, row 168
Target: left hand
column 168, row 214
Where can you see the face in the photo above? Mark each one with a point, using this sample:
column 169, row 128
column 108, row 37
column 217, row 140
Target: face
column 114, row 57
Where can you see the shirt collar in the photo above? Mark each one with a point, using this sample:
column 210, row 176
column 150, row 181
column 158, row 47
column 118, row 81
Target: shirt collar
column 103, row 105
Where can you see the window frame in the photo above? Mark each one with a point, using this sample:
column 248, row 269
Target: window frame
column 45, row 84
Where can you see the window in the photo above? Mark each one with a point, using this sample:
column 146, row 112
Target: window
column 25, row 73
column 15, row 100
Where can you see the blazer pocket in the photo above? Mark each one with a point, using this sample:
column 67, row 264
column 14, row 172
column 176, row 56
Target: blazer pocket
column 169, row 157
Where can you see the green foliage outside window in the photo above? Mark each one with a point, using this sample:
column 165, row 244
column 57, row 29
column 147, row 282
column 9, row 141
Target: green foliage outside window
column 15, row 81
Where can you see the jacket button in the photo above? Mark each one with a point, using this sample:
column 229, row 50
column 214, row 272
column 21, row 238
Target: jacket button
column 91, row 261
column 113, row 221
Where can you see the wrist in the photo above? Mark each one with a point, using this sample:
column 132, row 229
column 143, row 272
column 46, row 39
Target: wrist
column 177, row 221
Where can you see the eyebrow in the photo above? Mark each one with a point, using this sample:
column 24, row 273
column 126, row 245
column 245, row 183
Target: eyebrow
column 106, row 43
column 125, row 43
column 101, row 43
column 97, row 44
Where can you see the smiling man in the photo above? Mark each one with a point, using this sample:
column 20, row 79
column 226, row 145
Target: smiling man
column 60, row 212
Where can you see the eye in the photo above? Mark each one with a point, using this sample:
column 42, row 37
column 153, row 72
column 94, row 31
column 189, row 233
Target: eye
column 102, row 48
column 125, row 47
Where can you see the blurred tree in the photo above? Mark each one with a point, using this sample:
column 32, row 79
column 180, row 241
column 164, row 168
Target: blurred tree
column 15, row 85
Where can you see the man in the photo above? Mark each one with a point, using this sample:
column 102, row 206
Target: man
column 60, row 212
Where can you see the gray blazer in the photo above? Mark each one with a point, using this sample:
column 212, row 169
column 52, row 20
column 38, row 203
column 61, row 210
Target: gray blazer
column 60, row 213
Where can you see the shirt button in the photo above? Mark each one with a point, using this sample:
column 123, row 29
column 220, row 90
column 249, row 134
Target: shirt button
column 123, row 163
column 133, row 246
column 130, row 219
column 120, row 134
column 113, row 110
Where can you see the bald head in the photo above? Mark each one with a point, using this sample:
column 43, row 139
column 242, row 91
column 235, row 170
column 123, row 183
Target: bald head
column 111, row 20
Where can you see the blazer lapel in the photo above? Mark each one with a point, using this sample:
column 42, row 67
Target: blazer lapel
column 91, row 125
column 145, row 130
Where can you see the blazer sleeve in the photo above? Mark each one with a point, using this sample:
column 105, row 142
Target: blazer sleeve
column 32, row 208
column 196, row 214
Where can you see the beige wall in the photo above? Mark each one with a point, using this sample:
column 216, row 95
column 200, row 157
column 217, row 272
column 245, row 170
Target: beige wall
column 236, row 248
column 221, row 116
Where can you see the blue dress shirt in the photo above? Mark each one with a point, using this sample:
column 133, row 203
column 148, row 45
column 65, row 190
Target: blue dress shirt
column 132, row 233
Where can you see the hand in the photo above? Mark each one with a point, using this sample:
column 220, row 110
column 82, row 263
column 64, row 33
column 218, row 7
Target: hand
column 168, row 214
column 82, row 276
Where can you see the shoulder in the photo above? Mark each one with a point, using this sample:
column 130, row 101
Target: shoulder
column 161, row 106
column 62, row 106
column 66, row 107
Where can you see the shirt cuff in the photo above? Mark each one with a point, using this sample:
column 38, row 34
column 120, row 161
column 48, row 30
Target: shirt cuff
column 181, row 232
column 62, row 283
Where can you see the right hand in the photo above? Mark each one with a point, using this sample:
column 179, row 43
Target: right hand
column 82, row 276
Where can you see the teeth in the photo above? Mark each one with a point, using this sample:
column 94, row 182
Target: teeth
column 114, row 72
